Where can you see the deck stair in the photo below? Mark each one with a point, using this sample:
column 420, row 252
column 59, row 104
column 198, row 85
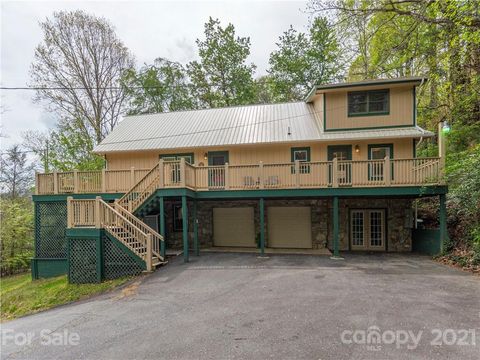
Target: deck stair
column 120, row 222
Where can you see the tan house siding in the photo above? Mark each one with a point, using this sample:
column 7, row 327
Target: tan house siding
column 273, row 154
column 401, row 110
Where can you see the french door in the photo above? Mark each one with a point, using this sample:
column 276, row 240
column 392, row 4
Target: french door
column 367, row 229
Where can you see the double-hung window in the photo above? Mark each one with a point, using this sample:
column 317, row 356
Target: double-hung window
column 365, row 103
column 303, row 156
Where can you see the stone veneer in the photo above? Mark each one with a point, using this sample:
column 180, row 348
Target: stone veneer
column 398, row 215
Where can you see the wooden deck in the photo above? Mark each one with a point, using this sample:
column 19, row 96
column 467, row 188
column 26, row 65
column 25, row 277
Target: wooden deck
column 298, row 175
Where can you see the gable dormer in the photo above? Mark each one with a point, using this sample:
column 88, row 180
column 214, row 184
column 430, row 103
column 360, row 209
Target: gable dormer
column 385, row 103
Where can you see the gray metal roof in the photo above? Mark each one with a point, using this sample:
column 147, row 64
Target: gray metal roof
column 241, row 125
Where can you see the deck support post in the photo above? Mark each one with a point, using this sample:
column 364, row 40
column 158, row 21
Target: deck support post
column 104, row 181
column 161, row 180
column 132, row 176
column 261, row 179
column 336, row 239
column 69, row 212
column 262, row 226
column 443, row 221
column 196, row 245
column 55, row 182
column 161, row 216
column 149, row 253
column 182, row 172
column 185, row 228
column 98, row 223
column 335, row 172
column 387, row 171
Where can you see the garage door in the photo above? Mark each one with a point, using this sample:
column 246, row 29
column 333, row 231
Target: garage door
column 289, row 227
column 233, row 227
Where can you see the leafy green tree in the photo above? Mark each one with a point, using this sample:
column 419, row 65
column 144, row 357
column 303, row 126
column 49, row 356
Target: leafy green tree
column 16, row 177
column 304, row 60
column 63, row 150
column 161, row 87
column 16, row 232
column 222, row 76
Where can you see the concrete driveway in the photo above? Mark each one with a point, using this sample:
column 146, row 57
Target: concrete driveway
column 225, row 306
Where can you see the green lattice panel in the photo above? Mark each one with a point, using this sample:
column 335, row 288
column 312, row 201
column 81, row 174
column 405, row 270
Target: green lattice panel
column 83, row 260
column 50, row 227
column 117, row 262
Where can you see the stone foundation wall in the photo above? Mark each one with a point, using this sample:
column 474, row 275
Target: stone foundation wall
column 397, row 211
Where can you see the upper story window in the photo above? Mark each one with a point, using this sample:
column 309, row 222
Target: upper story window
column 175, row 157
column 364, row 103
column 302, row 155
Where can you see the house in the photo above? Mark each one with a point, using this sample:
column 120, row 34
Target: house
column 337, row 171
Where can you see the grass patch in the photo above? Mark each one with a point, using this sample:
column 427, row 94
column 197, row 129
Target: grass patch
column 21, row 296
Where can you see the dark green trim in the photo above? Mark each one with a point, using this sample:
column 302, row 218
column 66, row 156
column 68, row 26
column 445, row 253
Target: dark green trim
column 369, row 114
column 414, row 191
column 100, row 259
column 48, row 267
column 215, row 153
column 63, row 197
column 336, row 227
column 196, row 244
column 192, row 155
column 370, row 128
column 185, row 228
column 443, row 221
column 161, row 216
column 414, row 106
column 84, row 232
column 361, row 83
column 262, row 226
column 414, row 152
column 324, row 111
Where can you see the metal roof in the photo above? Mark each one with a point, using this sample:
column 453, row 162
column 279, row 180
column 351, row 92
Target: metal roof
column 241, row 125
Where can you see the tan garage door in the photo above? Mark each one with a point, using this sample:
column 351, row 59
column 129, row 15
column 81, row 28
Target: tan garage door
column 233, row 227
column 289, row 227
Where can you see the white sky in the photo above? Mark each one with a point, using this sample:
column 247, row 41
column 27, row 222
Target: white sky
column 150, row 29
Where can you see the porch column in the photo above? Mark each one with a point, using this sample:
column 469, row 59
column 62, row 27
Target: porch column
column 185, row 228
column 443, row 221
column 336, row 240
column 262, row 226
column 195, row 229
column 161, row 216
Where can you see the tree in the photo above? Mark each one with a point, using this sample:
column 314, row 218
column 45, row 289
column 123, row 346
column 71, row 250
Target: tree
column 64, row 150
column 222, row 76
column 77, row 68
column 304, row 60
column 16, row 175
column 161, row 87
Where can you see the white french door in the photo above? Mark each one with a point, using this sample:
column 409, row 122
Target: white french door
column 367, row 229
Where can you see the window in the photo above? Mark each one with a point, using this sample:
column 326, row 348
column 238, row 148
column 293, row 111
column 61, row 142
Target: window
column 379, row 152
column 175, row 157
column 364, row 103
column 177, row 217
column 302, row 155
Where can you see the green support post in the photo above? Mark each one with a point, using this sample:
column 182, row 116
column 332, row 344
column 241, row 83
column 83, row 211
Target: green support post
column 161, row 215
column 262, row 226
column 443, row 221
column 185, row 228
column 99, row 257
column 336, row 239
column 195, row 229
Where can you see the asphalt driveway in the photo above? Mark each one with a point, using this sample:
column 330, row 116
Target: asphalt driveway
column 223, row 306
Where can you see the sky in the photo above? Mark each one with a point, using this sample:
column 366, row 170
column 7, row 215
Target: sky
column 150, row 29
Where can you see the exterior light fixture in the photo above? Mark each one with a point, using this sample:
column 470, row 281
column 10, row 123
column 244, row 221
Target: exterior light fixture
column 446, row 127
column 205, row 156
column 357, row 148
